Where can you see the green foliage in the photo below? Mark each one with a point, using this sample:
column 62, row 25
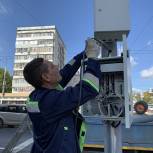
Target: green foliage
column 148, row 97
column 8, row 81
column 137, row 96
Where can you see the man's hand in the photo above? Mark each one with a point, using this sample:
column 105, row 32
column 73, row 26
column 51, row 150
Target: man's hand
column 92, row 48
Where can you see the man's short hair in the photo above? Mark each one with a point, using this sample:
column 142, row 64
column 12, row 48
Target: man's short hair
column 33, row 71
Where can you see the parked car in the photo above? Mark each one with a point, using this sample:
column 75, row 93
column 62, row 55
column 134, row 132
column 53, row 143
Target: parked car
column 12, row 114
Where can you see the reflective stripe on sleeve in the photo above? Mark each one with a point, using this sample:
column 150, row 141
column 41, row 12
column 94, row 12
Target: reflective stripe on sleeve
column 92, row 80
column 59, row 87
column 82, row 135
column 32, row 106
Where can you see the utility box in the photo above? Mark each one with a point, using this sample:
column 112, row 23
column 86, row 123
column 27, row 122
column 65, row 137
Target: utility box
column 111, row 19
column 114, row 102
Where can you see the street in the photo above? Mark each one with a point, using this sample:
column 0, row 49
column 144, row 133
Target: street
column 24, row 144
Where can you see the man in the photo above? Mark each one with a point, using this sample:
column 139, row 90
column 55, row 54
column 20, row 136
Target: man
column 51, row 107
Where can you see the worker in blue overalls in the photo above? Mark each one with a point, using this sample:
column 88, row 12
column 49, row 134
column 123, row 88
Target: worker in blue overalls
column 56, row 129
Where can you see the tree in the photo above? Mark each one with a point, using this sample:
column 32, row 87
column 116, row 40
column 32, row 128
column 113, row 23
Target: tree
column 148, row 97
column 8, row 81
column 136, row 96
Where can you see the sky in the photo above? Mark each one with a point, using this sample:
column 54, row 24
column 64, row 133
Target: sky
column 74, row 20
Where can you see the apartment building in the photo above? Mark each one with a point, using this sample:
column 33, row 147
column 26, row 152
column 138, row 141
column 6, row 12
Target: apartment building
column 32, row 42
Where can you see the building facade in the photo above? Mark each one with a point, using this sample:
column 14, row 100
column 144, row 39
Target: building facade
column 13, row 98
column 32, row 42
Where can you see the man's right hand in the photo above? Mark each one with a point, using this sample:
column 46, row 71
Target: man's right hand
column 92, row 48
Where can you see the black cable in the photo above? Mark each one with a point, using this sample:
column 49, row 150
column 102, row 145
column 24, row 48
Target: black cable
column 80, row 96
column 80, row 91
column 28, row 12
column 140, row 34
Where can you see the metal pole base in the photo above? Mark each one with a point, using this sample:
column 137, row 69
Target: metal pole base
column 113, row 139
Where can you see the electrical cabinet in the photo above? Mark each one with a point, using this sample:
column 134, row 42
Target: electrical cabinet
column 111, row 19
column 114, row 101
column 116, row 92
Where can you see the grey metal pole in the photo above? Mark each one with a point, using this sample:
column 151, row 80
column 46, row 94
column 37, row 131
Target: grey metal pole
column 113, row 139
column 113, row 136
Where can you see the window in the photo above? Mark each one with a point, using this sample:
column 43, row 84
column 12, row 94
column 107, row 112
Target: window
column 21, row 50
column 19, row 81
column 41, row 49
column 33, row 56
column 23, row 89
column 12, row 109
column 41, row 34
column 3, row 109
column 21, row 35
column 21, row 57
column 26, row 42
column 21, row 109
column 18, row 73
column 45, row 42
column 19, row 65
column 37, row 34
column 48, row 57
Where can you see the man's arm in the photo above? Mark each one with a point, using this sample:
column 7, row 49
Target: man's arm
column 58, row 103
column 70, row 69
column 92, row 50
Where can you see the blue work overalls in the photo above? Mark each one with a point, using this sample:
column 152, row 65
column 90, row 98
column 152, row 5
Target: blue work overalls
column 52, row 112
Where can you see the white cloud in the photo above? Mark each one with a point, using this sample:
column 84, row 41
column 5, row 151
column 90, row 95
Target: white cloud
column 133, row 61
column 3, row 10
column 150, row 43
column 147, row 73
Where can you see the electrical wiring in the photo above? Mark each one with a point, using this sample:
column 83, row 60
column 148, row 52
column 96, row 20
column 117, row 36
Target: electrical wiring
column 108, row 107
column 103, row 103
column 80, row 94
